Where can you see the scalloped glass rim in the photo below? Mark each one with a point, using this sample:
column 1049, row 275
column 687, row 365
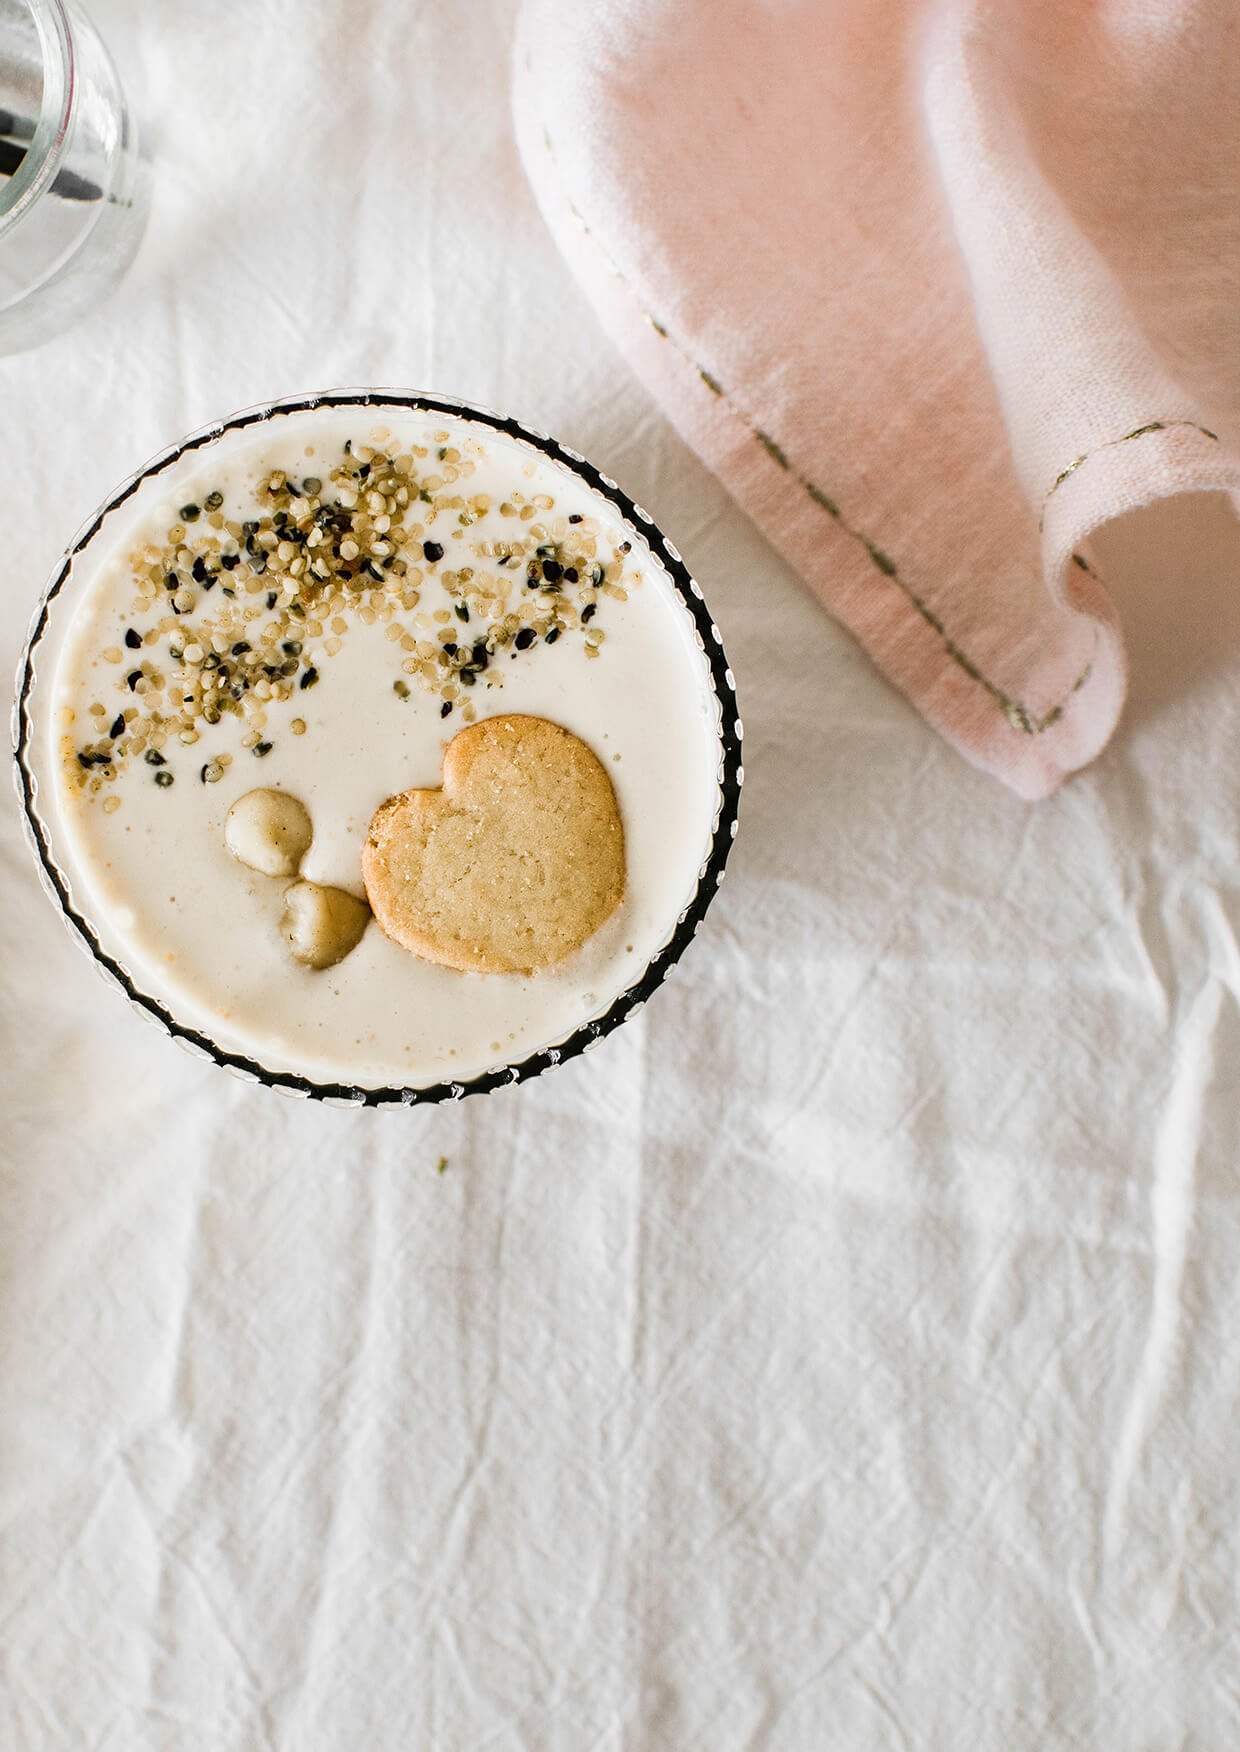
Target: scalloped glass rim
column 585, row 1035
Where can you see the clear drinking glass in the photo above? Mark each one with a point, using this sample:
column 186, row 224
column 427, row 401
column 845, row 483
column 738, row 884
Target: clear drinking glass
column 73, row 187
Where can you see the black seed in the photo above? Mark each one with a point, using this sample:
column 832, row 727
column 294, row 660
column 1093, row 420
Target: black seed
column 202, row 772
column 133, row 639
column 348, row 446
column 211, row 713
column 443, row 451
column 297, row 608
column 401, row 688
column 461, row 610
column 289, row 668
column 86, row 760
column 191, row 513
column 311, row 485
column 238, row 688
column 292, row 646
column 280, row 519
column 241, row 647
column 432, row 551
column 574, row 517
column 249, row 527
column 163, row 779
column 525, row 638
column 467, row 676
column 153, row 757
column 481, row 655
column 546, row 551
column 372, row 571
column 118, row 726
column 445, row 708
column 258, row 563
column 626, row 547
column 596, row 575
column 133, row 678
column 309, row 678
column 271, row 599
column 570, row 574
column 363, row 471
column 553, row 571
column 213, row 501
column 211, row 660
column 171, row 580
column 504, row 560
column 450, row 648
column 261, row 748
column 230, row 562
column 588, row 612
column 551, row 637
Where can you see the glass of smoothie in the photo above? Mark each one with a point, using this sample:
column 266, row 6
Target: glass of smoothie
column 257, row 675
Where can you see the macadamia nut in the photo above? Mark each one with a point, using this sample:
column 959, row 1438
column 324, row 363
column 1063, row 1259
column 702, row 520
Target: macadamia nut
column 321, row 925
column 270, row 831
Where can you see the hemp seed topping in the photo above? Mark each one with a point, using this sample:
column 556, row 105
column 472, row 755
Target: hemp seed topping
column 237, row 611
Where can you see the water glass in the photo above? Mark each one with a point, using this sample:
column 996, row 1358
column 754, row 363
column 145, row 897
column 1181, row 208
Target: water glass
column 73, row 185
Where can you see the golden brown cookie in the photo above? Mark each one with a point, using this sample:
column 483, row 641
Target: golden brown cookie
column 513, row 864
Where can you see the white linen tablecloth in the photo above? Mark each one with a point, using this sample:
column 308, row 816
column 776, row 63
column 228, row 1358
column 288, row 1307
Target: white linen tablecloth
column 844, row 1355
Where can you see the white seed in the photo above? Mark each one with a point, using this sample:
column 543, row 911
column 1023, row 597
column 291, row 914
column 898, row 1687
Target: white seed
column 269, row 831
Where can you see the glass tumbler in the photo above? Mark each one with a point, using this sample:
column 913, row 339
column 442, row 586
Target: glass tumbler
column 73, row 187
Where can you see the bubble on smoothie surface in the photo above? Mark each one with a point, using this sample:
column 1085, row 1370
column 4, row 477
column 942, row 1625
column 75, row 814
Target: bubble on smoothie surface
column 321, row 925
column 270, row 831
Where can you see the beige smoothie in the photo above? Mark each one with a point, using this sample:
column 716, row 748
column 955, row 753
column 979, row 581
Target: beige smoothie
column 316, row 608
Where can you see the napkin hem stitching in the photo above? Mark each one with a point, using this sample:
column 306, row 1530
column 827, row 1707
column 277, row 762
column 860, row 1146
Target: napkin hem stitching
column 1018, row 716
column 1110, row 444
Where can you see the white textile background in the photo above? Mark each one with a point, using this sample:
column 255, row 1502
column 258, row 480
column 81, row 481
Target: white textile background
column 844, row 1355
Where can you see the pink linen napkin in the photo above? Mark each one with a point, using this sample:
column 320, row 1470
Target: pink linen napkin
column 936, row 287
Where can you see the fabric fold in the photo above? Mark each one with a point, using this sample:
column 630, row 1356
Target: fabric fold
column 828, row 240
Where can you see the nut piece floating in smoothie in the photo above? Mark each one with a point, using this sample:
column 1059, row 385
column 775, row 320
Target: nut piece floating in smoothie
column 513, row 864
column 270, row 831
column 322, row 925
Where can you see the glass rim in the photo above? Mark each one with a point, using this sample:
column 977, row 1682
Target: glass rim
column 47, row 147
column 578, row 1039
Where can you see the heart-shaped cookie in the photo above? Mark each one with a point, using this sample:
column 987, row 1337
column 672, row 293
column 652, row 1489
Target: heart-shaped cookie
column 513, row 864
